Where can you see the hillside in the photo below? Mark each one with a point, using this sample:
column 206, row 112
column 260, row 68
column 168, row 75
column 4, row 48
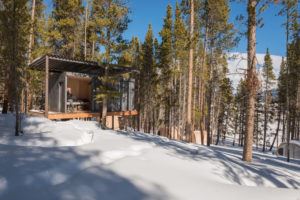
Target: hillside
column 237, row 63
column 51, row 163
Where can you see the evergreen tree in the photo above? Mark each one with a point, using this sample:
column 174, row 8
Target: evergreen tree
column 38, row 46
column 133, row 57
column 166, row 69
column 189, row 127
column 282, row 84
column 280, row 100
column 148, row 81
column 219, row 36
column 65, row 25
column 180, row 51
column 110, row 23
column 241, row 103
column 269, row 78
column 290, row 10
column 251, row 80
column 226, row 99
column 15, row 21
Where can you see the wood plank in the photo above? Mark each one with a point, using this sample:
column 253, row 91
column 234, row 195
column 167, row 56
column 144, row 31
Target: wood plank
column 36, row 114
column 123, row 113
column 80, row 115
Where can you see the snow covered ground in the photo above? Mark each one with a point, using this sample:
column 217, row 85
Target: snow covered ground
column 77, row 160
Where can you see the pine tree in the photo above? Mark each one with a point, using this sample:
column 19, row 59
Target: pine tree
column 280, row 103
column 110, row 23
column 38, row 40
column 147, row 82
column 15, row 21
column 219, row 37
column 65, row 25
column 133, row 57
column 282, row 84
column 226, row 98
column 166, row 69
column 180, row 44
column 290, row 10
column 241, row 104
column 251, row 80
column 189, row 126
column 269, row 78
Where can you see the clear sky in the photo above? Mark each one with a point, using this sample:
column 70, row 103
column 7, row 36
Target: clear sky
column 144, row 12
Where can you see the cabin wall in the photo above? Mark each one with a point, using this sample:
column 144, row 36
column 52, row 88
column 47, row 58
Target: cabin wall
column 86, row 89
column 125, row 101
column 128, row 95
column 57, row 92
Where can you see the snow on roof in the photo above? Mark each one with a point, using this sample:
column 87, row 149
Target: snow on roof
column 296, row 142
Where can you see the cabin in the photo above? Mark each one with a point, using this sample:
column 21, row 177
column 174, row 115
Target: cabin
column 294, row 147
column 70, row 88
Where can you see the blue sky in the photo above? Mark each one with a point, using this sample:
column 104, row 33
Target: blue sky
column 144, row 12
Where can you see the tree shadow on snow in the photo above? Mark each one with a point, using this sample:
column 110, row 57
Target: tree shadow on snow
column 227, row 162
column 69, row 173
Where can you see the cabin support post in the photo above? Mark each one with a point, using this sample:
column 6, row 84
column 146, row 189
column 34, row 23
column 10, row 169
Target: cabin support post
column 113, row 122
column 47, row 87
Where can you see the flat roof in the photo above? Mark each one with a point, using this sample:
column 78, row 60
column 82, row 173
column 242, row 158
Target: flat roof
column 62, row 64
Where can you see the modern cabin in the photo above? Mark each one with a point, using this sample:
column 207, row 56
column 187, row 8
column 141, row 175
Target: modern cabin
column 293, row 147
column 70, row 89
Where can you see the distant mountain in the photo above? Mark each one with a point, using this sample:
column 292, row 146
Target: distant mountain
column 237, row 64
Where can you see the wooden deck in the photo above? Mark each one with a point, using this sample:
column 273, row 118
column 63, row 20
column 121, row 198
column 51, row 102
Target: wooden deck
column 79, row 115
column 76, row 115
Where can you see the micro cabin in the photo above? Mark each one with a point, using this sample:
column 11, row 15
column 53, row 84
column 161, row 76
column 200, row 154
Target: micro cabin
column 71, row 86
column 294, row 148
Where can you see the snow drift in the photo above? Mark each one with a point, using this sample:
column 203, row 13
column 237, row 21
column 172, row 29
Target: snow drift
column 45, row 133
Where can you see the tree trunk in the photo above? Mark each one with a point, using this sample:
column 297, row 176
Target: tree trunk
column 189, row 126
column 30, row 45
column 277, row 130
column 104, row 113
column 288, row 85
column 85, row 28
column 202, row 86
column 266, row 110
column 6, row 94
column 283, row 126
column 251, row 80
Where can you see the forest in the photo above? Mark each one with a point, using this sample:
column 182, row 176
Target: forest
column 182, row 84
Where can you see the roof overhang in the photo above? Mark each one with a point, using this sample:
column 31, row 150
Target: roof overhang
column 61, row 64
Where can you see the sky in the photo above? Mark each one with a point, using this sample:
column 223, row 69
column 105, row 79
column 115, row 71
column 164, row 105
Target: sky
column 145, row 12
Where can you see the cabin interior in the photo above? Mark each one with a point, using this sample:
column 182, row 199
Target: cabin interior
column 69, row 93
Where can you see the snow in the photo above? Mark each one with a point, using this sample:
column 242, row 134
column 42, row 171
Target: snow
column 46, row 133
column 295, row 142
column 52, row 161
